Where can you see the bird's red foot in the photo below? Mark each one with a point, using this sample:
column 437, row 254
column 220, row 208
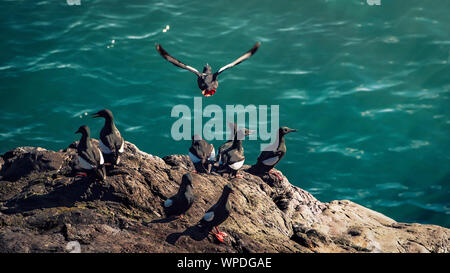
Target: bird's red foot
column 219, row 235
column 222, row 234
column 107, row 164
column 276, row 174
column 180, row 216
column 194, row 171
column 81, row 174
column 239, row 176
column 208, row 93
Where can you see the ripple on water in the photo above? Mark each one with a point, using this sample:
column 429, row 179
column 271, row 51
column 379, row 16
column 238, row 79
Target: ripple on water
column 134, row 129
column 414, row 144
column 129, row 101
column 337, row 148
column 18, row 131
column 391, row 185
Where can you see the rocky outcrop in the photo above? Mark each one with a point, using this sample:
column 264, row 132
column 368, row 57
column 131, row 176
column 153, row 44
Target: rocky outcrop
column 44, row 206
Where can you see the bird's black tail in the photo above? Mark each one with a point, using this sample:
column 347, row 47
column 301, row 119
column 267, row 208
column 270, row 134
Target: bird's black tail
column 100, row 173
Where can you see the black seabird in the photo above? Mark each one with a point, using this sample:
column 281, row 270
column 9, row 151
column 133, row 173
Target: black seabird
column 182, row 201
column 111, row 142
column 227, row 145
column 202, row 154
column 218, row 213
column 207, row 81
column 270, row 157
column 90, row 157
column 233, row 158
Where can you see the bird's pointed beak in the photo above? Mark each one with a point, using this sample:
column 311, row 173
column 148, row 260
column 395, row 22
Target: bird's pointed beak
column 78, row 131
column 293, row 130
column 95, row 115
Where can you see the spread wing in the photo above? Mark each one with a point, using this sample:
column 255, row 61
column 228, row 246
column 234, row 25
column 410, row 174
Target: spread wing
column 239, row 60
column 174, row 61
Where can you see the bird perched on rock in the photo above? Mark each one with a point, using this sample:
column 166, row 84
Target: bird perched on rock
column 224, row 147
column 182, row 201
column 217, row 214
column 207, row 80
column 90, row 157
column 202, row 154
column 111, row 141
column 272, row 155
column 233, row 158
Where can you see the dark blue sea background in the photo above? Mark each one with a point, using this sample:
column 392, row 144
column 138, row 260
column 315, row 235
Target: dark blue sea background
column 367, row 87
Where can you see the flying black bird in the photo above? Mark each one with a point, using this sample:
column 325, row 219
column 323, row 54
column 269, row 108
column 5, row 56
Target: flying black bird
column 207, row 80
column 270, row 157
column 111, row 142
column 202, row 154
column 182, row 201
column 90, row 158
column 218, row 213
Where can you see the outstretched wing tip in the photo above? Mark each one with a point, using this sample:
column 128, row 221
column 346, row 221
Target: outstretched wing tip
column 244, row 57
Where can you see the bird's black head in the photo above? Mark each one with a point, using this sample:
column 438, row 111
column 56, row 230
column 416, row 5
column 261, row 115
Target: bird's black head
column 286, row 130
column 207, row 69
column 241, row 133
column 186, row 180
column 228, row 188
column 196, row 138
column 105, row 113
column 84, row 130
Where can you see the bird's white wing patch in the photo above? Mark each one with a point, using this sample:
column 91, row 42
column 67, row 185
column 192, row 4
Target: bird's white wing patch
column 192, row 69
column 194, row 158
column 168, row 203
column 233, row 63
column 237, row 165
column 84, row 164
column 122, row 147
column 102, row 160
column 270, row 161
column 209, row 216
column 104, row 148
column 212, row 156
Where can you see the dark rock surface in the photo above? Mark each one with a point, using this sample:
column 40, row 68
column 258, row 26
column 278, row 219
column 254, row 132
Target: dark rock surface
column 44, row 206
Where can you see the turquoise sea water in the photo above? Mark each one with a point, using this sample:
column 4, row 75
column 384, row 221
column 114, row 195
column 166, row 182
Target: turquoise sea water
column 367, row 86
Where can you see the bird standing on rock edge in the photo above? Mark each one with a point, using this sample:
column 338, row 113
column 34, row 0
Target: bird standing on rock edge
column 269, row 158
column 181, row 202
column 207, row 81
column 217, row 214
column 111, row 142
column 89, row 156
column 202, row 154
column 233, row 158
column 227, row 145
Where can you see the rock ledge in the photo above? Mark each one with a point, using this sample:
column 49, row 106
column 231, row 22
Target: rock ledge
column 43, row 207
